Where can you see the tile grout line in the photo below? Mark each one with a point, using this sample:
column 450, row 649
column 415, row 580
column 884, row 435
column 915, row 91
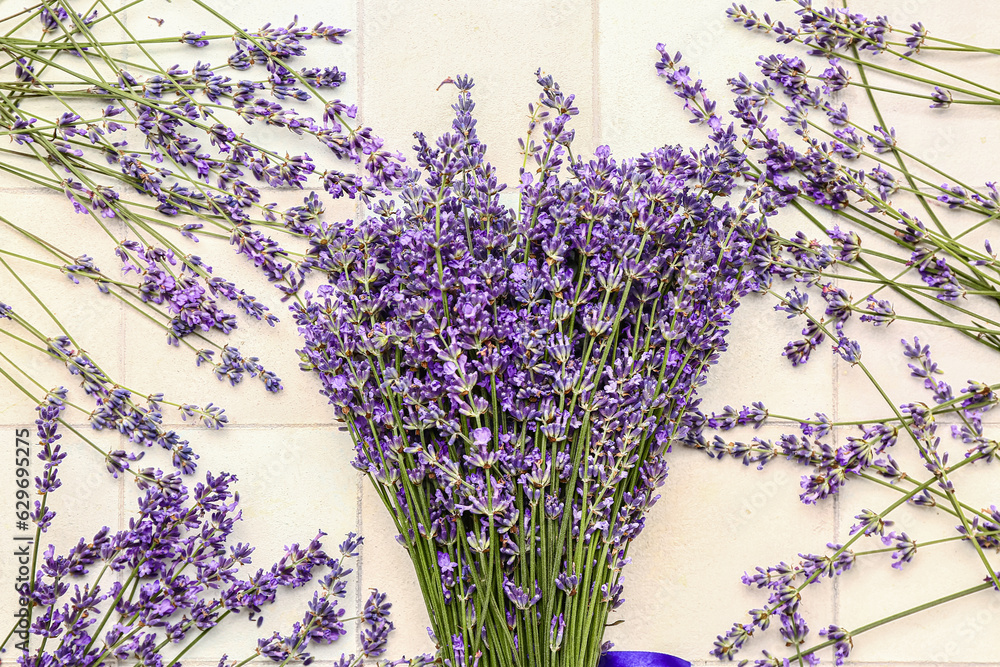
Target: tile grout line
column 836, row 498
column 595, row 66
column 123, row 323
column 123, row 357
column 359, row 65
column 836, row 507
column 272, row 426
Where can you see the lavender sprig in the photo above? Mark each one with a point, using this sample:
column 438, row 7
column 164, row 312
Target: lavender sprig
column 181, row 580
column 830, row 170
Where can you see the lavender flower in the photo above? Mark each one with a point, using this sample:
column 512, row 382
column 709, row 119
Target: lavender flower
column 181, row 580
column 190, row 163
column 860, row 456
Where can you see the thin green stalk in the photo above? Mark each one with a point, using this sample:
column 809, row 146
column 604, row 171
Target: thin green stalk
column 903, row 614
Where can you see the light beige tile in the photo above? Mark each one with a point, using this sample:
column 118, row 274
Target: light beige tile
column 959, row 358
column 715, row 521
column 252, row 16
column 14, row 182
column 88, row 500
column 638, row 110
column 388, row 567
column 754, row 370
column 955, row 632
column 292, row 482
column 62, row 67
column 944, row 634
column 91, row 318
column 410, row 49
column 173, row 370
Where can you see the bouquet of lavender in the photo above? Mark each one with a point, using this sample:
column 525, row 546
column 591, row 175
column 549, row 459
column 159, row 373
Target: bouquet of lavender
column 513, row 378
column 153, row 591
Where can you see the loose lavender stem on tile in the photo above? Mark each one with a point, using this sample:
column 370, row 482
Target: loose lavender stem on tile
column 181, row 578
column 948, row 267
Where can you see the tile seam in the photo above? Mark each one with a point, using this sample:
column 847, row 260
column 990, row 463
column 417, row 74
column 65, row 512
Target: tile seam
column 595, row 79
column 359, row 66
column 771, row 423
column 122, row 359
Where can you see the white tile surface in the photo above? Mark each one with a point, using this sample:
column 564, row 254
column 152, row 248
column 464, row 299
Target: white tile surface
column 91, row 318
column 292, row 483
column 715, row 521
column 409, row 49
column 388, row 568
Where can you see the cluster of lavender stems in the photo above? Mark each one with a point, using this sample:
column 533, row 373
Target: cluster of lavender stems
column 149, row 154
column 152, row 592
column 867, row 456
column 144, row 153
column 866, row 176
column 119, row 408
column 860, row 174
column 513, row 378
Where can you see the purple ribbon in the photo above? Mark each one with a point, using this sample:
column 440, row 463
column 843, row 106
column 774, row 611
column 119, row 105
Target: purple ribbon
column 641, row 659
